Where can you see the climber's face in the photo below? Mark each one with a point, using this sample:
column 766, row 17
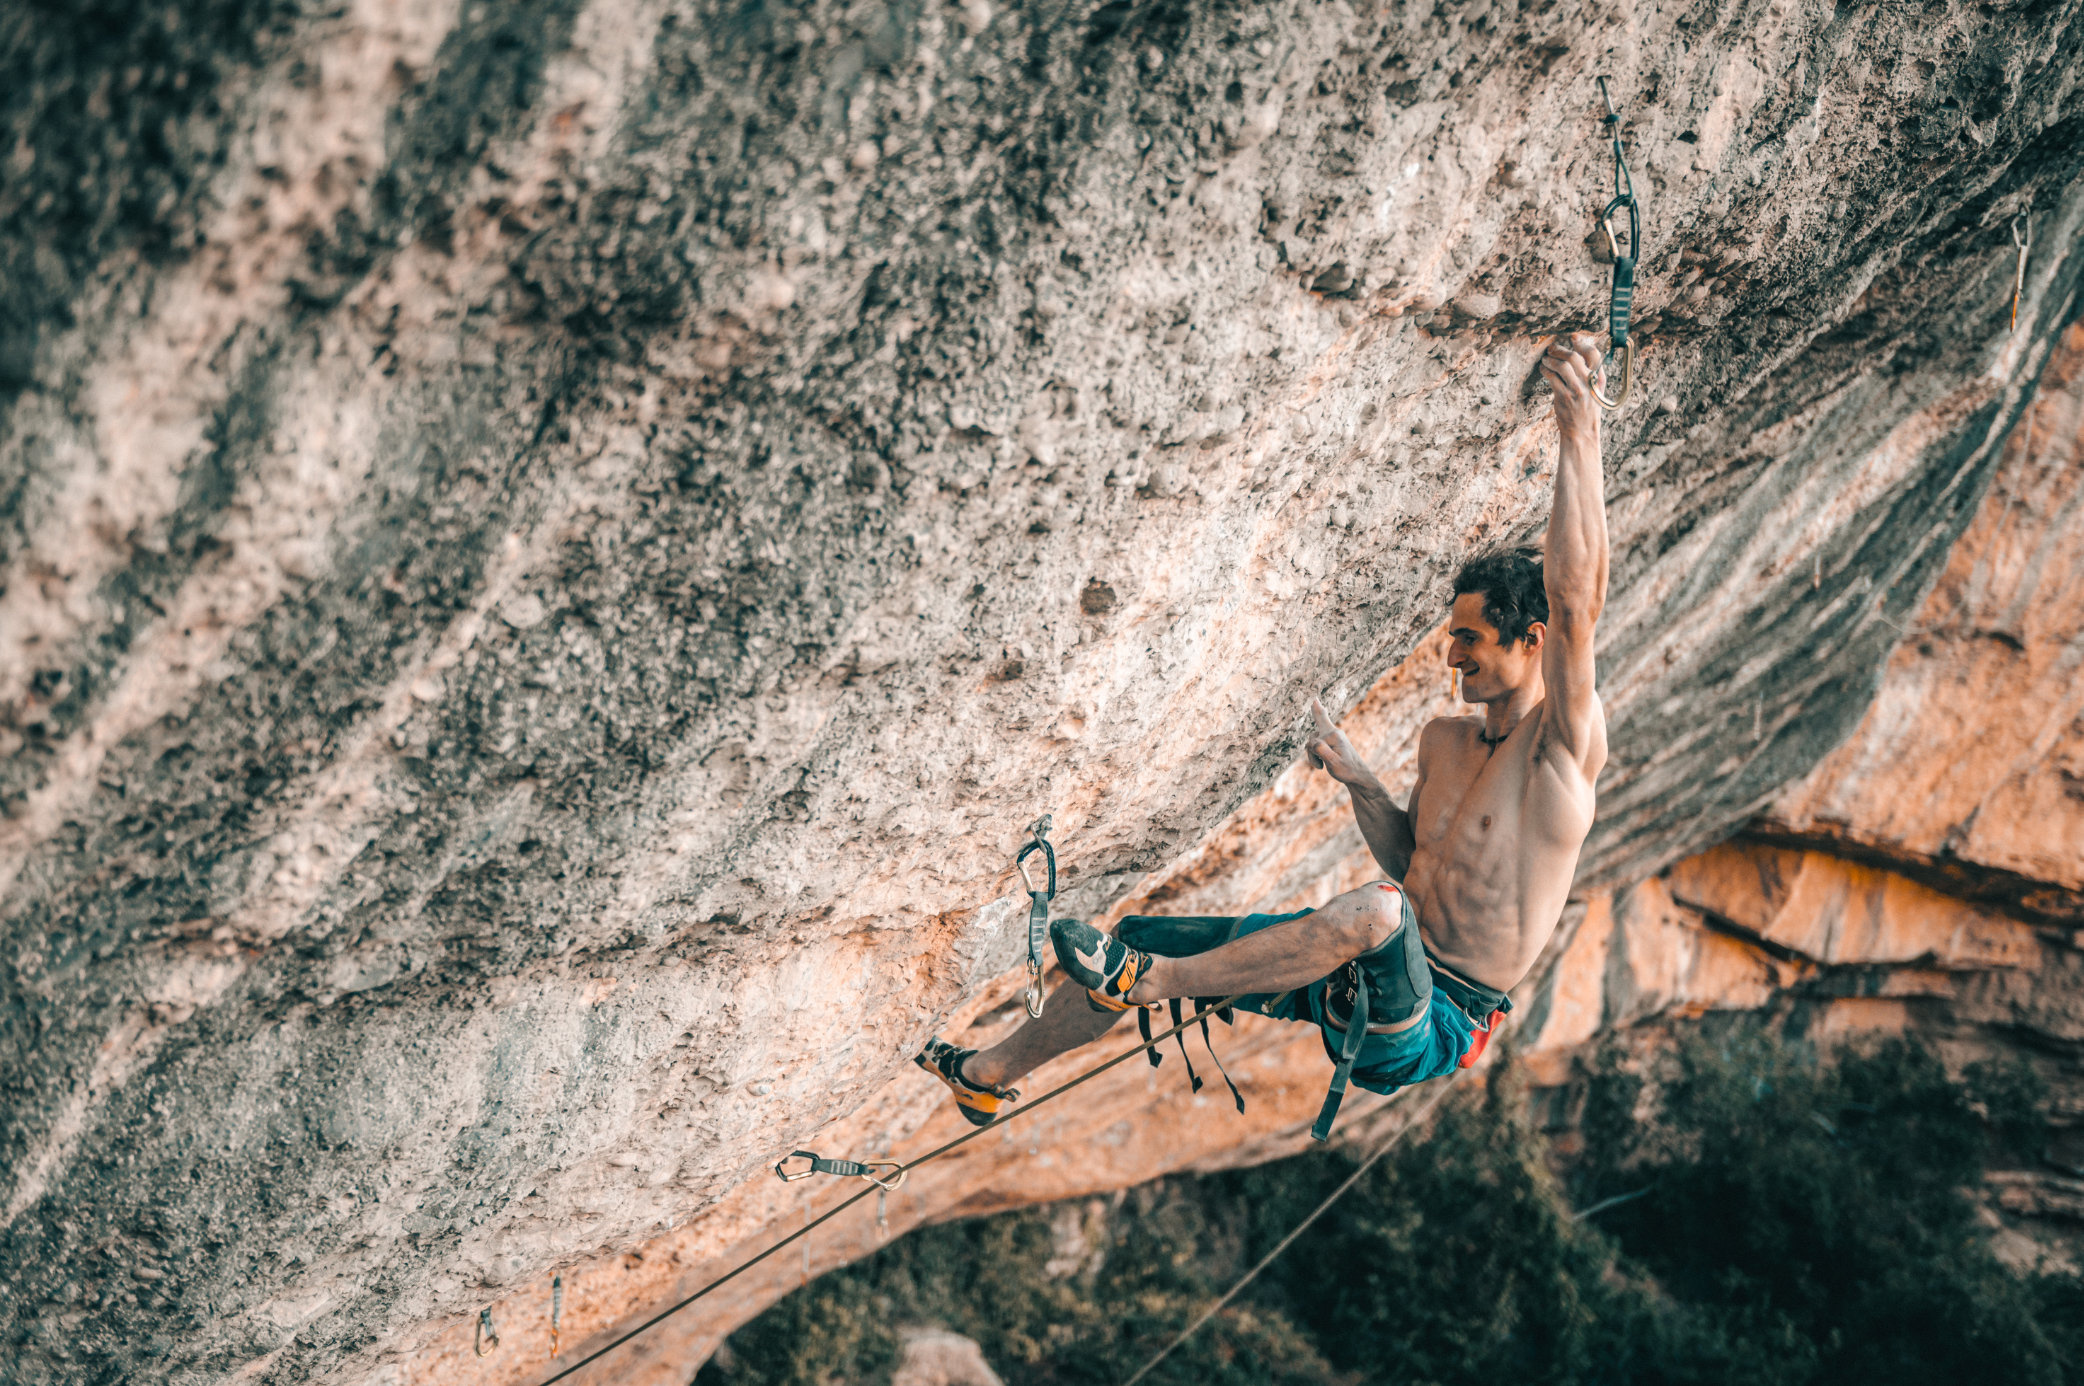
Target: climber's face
column 1490, row 669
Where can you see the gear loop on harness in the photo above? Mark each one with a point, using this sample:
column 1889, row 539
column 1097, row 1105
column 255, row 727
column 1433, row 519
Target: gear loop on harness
column 1623, row 294
column 1038, row 907
column 858, row 1169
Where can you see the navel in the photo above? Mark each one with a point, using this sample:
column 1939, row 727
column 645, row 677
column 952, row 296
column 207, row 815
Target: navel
column 1487, row 820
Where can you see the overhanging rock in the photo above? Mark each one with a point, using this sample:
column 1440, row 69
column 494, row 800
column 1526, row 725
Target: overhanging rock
column 550, row 549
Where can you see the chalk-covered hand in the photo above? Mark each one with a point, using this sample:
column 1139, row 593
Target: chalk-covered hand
column 1571, row 365
column 1331, row 752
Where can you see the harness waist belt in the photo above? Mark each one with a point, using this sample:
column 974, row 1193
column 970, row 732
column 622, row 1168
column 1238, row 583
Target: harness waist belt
column 1473, row 999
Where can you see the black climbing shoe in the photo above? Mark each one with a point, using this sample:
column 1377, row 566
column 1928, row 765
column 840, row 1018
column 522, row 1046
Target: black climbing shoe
column 980, row 1105
column 1103, row 966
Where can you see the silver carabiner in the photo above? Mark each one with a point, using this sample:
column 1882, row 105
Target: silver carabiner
column 859, row 1169
column 1038, row 908
column 1627, row 378
column 2022, row 238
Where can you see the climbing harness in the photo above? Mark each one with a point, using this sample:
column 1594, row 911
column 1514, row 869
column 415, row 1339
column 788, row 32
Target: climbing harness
column 1249, row 1276
column 556, row 1310
column 487, row 1336
column 1349, row 1050
column 1038, row 908
column 811, row 1224
column 2022, row 237
column 1624, row 265
column 845, row 1168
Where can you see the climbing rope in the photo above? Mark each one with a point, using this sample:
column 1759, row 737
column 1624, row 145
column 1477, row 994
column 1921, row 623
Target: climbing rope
column 1315, row 1213
column 936, row 1153
column 1623, row 294
column 1038, row 908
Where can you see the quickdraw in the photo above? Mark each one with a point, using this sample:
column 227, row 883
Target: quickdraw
column 1624, row 264
column 809, row 1222
column 1038, row 908
column 487, row 1337
column 2022, row 237
column 556, row 1310
column 853, row 1169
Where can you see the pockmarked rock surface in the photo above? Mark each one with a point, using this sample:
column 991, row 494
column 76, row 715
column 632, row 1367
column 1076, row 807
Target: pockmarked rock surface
column 548, row 550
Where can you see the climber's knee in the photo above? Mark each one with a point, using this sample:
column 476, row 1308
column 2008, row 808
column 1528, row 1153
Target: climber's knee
column 1368, row 918
column 1400, row 981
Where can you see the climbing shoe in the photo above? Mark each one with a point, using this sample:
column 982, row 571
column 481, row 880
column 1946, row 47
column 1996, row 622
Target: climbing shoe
column 980, row 1105
column 1105, row 967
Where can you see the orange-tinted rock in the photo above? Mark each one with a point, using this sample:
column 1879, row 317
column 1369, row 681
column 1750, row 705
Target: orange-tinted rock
column 1639, row 953
column 1833, row 911
column 1973, row 752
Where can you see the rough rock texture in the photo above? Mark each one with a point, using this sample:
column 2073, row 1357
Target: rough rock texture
column 1838, row 948
column 937, row 1357
column 548, row 549
column 1995, row 653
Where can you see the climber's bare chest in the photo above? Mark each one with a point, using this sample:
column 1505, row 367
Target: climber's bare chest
column 1496, row 833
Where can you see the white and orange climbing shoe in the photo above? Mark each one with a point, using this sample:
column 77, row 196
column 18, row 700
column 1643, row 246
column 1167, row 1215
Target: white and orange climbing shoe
column 980, row 1105
column 1105, row 967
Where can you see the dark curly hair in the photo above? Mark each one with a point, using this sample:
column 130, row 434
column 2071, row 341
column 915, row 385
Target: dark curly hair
column 1510, row 583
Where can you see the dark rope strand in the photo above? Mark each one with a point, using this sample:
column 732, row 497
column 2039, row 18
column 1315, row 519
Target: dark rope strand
column 930, row 1155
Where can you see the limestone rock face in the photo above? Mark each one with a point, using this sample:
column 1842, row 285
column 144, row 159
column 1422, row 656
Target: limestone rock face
column 549, row 550
column 1969, row 767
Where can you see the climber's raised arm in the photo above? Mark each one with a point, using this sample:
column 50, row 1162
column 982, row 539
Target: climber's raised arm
column 1574, row 568
column 1386, row 828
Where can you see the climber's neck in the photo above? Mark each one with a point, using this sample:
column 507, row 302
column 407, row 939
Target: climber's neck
column 1506, row 711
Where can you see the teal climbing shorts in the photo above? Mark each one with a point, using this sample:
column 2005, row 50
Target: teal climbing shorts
column 1457, row 1014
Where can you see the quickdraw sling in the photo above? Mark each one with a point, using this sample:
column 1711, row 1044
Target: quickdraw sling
column 1038, row 908
column 1618, row 341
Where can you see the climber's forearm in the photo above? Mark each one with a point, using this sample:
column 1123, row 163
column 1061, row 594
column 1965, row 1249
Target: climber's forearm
column 1385, row 827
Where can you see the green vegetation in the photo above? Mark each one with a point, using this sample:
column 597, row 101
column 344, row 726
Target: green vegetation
column 1773, row 1222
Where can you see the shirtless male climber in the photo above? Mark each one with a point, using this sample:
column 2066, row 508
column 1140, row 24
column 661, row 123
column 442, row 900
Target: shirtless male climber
column 1478, row 864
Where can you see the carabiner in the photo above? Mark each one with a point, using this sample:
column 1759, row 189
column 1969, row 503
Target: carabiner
column 846, row 1168
column 2022, row 238
column 1627, row 378
column 487, row 1336
column 1038, row 908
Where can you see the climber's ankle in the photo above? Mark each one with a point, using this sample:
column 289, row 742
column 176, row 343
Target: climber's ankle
column 1150, row 987
column 979, row 1068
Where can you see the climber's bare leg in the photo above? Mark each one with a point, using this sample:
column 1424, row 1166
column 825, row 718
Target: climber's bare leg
column 1067, row 1022
column 1282, row 958
column 1285, row 956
